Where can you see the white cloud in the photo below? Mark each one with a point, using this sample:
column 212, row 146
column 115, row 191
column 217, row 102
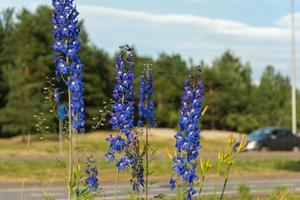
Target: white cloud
column 220, row 26
column 195, row 36
column 190, row 35
column 5, row 4
column 285, row 21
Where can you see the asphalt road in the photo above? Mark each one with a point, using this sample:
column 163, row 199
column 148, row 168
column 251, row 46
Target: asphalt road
column 35, row 192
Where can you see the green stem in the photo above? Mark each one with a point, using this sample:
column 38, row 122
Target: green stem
column 116, row 185
column 183, row 190
column 147, row 162
column 225, row 182
column 219, row 167
column 147, row 140
column 76, row 161
column 70, row 149
column 71, row 142
column 216, row 185
column 201, row 184
column 224, row 187
column 177, row 192
column 75, row 139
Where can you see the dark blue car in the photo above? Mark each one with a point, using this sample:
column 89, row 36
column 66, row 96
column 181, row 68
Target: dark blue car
column 272, row 138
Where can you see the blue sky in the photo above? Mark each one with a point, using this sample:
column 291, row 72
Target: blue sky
column 255, row 30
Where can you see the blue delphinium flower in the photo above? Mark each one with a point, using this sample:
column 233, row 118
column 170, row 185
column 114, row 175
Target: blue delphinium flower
column 172, row 183
column 123, row 95
column 187, row 137
column 68, row 64
column 116, row 144
column 61, row 111
column 91, row 171
column 137, row 179
column 123, row 163
column 146, row 105
column 122, row 116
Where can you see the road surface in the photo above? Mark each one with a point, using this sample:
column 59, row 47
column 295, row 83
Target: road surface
column 35, row 192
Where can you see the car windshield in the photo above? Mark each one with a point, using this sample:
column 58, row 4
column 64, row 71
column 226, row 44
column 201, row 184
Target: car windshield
column 259, row 134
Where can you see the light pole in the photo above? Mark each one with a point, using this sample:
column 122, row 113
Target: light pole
column 293, row 67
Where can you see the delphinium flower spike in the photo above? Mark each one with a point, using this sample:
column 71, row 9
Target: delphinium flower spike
column 146, row 105
column 91, row 171
column 146, row 113
column 122, row 115
column 67, row 61
column 188, row 136
column 69, row 70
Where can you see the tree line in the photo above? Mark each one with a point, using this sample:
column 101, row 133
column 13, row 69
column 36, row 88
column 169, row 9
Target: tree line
column 234, row 101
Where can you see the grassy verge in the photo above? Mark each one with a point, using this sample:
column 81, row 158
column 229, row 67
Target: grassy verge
column 38, row 161
column 52, row 170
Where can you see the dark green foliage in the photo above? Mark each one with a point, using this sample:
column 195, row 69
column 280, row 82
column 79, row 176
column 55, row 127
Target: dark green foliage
column 228, row 92
column 273, row 99
column 97, row 80
column 25, row 59
column 234, row 102
column 6, row 28
column 170, row 71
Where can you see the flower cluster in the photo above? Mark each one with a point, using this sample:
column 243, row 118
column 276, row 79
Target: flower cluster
column 91, row 171
column 137, row 173
column 172, row 183
column 137, row 166
column 146, row 105
column 187, row 137
column 122, row 116
column 68, row 64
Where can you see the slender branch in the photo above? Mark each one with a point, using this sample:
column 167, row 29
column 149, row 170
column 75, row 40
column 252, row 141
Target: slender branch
column 201, row 185
column 60, row 135
column 183, row 190
column 76, row 146
column 70, row 144
column 147, row 138
column 70, row 148
column 224, row 187
column 116, row 185
column 225, row 182
column 147, row 162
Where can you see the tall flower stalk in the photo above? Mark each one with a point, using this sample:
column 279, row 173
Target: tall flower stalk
column 69, row 70
column 91, row 171
column 146, row 105
column 188, row 136
column 146, row 114
column 121, row 147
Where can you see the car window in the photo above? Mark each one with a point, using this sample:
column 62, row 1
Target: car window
column 276, row 133
column 281, row 133
column 259, row 134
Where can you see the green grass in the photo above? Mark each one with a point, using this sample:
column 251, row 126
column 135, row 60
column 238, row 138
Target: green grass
column 52, row 170
column 39, row 160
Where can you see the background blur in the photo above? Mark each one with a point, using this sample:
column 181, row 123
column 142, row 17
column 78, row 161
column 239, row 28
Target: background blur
column 243, row 47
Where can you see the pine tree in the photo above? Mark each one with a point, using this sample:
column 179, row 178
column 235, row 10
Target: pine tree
column 28, row 63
